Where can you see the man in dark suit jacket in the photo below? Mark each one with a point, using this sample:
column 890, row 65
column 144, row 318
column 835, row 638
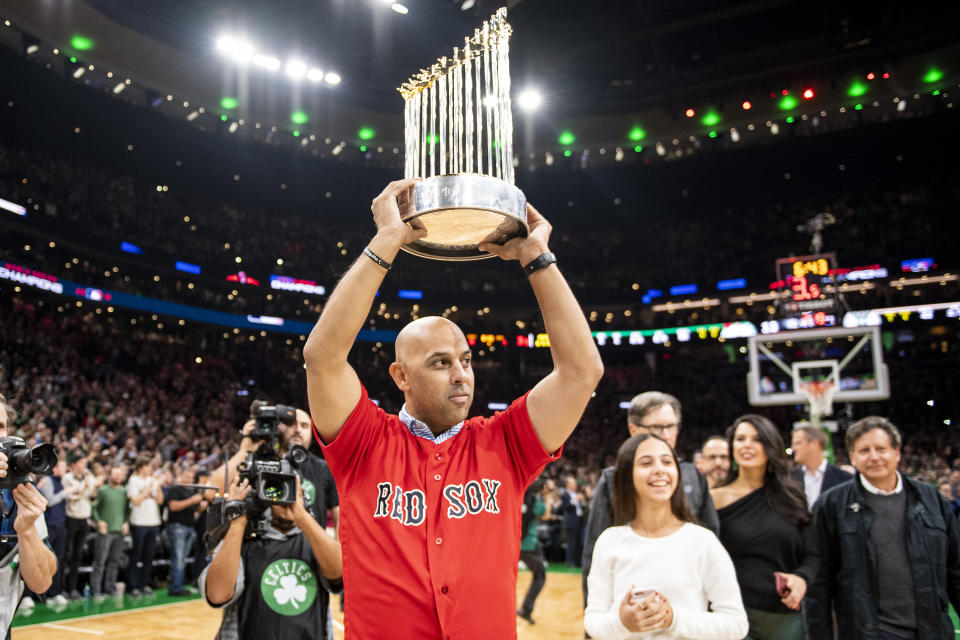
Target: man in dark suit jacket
column 814, row 474
column 572, row 512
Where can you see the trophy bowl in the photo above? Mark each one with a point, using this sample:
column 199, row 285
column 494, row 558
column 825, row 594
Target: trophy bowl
column 461, row 211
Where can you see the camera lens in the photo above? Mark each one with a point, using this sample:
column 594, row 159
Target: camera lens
column 275, row 489
column 43, row 458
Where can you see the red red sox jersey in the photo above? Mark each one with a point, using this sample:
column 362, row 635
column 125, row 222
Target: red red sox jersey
column 431, row 532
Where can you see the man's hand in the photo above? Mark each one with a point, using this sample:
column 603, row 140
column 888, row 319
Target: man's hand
column 125, row 529
column 295, row 512
column 247, row 443
column 102, row 527
column 3, row 465
column 30, row 506
column 389, row 208
column 239, row 489
column 528, row 249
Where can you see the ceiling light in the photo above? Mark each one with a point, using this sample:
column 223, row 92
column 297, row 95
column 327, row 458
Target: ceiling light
column 32, row 49
column 266, row 62
column 315, row 75
column 120, row 87
column 240, row 50
column 399, row 8
column 467, row 5
column 296, row 69
column 79, row 72
column 332, row 77
column 529, row 100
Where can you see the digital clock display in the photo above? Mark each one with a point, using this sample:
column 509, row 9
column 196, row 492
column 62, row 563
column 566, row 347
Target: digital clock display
column 802, row 284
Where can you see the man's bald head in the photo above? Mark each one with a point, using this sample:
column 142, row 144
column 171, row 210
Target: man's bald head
column 433, row 369
column 421, row 334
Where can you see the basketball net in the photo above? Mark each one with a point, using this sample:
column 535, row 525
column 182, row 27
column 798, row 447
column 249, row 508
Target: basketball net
column 819, row 394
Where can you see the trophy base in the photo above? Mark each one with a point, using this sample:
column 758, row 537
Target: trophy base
column 461, row 211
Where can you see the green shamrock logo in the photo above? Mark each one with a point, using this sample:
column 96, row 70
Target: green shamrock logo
column 288, row 586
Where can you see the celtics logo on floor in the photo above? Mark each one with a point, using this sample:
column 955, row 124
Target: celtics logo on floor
column 289, row 586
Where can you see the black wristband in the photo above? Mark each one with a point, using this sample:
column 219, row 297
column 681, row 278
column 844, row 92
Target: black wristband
column 540, row 262
column 380, row 261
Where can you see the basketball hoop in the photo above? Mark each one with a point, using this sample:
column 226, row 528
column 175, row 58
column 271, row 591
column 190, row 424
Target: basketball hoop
column 819, row 394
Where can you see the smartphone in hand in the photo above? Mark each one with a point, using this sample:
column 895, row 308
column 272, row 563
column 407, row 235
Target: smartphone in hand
column 781, row 581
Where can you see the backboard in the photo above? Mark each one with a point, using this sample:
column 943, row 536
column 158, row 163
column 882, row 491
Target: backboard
column 851, row 357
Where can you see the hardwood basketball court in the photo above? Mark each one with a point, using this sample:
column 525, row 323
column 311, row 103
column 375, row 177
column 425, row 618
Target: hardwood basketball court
column 558, row 615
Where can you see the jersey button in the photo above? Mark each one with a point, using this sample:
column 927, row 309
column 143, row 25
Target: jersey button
column 439, row 540
column 444, row 589
column 436, row 476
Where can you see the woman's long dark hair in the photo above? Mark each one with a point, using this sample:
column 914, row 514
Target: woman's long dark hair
column 625, row 494
column 784, row 494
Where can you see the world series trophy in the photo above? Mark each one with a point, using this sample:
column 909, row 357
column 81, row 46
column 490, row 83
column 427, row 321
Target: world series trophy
column 458, row 135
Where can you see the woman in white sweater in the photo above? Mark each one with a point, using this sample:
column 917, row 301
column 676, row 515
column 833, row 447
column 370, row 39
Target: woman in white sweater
column 674, row 566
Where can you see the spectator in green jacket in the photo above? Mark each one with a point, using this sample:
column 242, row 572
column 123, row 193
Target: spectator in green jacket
column 111, row 511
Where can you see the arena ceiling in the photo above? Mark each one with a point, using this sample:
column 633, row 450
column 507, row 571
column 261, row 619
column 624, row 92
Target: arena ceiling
column 591, row 59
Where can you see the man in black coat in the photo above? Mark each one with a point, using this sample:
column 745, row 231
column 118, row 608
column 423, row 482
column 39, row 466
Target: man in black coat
column 657, row 413
column 813, row 472
column 889, row 547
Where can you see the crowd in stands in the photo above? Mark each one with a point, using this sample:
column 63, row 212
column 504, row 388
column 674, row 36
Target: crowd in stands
column 114, row 393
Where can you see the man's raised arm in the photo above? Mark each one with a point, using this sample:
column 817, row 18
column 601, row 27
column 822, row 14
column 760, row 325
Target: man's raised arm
column 332, row 385
column 556, row 403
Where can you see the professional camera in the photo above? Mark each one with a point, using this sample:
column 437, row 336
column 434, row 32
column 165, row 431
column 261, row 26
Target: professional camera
column 268, row 418
column 272, row 478
column 23, row 460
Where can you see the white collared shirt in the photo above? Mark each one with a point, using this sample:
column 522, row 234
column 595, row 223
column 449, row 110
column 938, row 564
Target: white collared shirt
column 813, row 482
column 880, row 492
column 421, row 430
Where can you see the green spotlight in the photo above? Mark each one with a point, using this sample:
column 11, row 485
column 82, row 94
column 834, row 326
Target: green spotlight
column 567, row 153
column 711, row 118
column 81, row 43
column 787, row 103
column 856, row 90
column 296, row 133
column 637, row 134
column 713, row 134
column 638, row 148
column 73, row 60
column 366, row 133
column 936, row 92
column 299, row 117
column 858, row 107
column 933, row 75
column 566, row 138
column 228, row 103
column 224, row 117
column 790, row 120
column 363, row 148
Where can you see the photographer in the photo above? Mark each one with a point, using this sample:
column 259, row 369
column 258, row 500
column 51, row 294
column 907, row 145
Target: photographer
column 275, row 585
column 34, row 561
column 318, row 484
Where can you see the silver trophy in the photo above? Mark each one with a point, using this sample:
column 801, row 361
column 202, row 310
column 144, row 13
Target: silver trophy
column 458, row 135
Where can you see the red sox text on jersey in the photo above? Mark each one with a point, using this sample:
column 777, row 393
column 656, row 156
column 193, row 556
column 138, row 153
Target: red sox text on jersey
column 410, row 507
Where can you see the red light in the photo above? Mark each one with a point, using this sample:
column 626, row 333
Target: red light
column 784, row 92
column 746, row 105
column 886, row 76
column 773, row 95
column 690, row 113
column 871, row 75
column 808, row 94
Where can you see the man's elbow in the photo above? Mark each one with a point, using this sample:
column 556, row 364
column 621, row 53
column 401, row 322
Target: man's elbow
column 589, row 371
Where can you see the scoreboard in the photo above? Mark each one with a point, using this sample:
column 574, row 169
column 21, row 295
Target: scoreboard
column 802, row 284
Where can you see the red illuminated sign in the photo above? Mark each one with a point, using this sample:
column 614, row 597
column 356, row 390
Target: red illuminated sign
column 243, row 278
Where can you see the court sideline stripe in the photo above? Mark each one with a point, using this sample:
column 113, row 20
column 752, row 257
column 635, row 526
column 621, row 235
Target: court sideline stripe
column 103, row 615
column 50, row 625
